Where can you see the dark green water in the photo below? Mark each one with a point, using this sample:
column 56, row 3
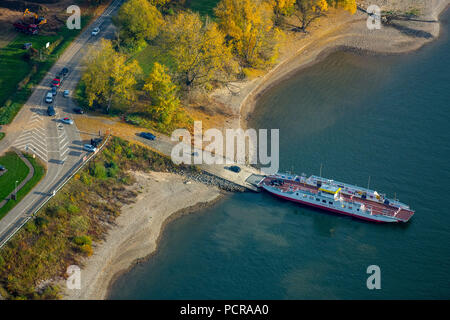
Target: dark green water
column 387, row 117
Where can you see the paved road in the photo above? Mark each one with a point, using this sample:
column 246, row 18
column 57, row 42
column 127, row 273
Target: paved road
column 56, row 144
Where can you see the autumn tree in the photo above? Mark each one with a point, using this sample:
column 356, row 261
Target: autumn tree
column 109, row 78
column 249, row 24
column 348, row 5
column 197, row 49
column 309, row 10
column 137, row 21
column 165, row 103
column 283, row 8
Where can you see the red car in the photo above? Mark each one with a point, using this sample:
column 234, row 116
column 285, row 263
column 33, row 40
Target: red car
column 56, row 82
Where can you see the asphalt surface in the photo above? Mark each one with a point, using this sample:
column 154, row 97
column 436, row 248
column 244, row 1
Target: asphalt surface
column 58, row 145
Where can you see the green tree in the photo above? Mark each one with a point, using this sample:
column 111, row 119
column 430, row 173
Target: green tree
column 138, row 20
column 164, row 95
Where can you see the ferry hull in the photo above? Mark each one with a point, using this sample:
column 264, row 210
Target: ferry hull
column 333, row 210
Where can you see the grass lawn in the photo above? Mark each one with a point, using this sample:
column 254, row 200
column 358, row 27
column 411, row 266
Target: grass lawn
column 14, row 68
column 203, row 6
column 17, row 171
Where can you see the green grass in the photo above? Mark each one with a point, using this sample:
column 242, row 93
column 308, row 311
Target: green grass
column 2, row 135
column 14, row 68
column 204, row 7
column 151, row 54
column 17, row 171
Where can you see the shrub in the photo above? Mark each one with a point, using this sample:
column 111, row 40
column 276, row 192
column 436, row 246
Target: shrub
column 87, row 249
column 82, row 240
column 73, row 209
column 100, row 171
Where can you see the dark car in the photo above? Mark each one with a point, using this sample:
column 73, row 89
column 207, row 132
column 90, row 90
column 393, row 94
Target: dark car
column 234, row 169
column 78, row 110
column 51, row 111
column 147, row 135
column 96, row 142
column 2, row 168
column 64, row 71
column 54, row 91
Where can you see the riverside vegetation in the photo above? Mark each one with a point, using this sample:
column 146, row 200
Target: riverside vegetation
column 66, row 229
column 164, row 54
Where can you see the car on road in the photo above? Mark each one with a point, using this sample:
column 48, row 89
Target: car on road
column 96, row 142
column 67, row 120
column 54, row 91
column 66, row 93
column 96, row 31
column 147, row 135
column 49, row 97
column 78, row 110
column 89, row 148
column 56, row 82
column 64, row 71
column 234, row 169
column 51, row 111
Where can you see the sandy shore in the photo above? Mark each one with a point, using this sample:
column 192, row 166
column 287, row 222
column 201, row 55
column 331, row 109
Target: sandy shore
column 162, row 198
column 338, row 31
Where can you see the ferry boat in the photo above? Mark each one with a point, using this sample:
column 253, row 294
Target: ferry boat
column 337, row 197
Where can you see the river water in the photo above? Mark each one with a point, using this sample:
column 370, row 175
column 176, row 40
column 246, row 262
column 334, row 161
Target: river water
column 383, row 116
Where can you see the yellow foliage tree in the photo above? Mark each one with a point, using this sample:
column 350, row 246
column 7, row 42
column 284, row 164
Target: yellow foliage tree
column 138, row 20
column 109, row 78
column 250, row 26
column 198, row 50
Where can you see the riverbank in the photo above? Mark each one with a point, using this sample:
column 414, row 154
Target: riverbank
column 162, row 197
column 337, row 31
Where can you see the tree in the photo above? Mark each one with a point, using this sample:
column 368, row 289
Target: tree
column 250, row 27
column 309, row 10
column 138, row 20
column 283, row 8
column 109, row 79
column 198, row 50
column 163, row 94
column 349, row 5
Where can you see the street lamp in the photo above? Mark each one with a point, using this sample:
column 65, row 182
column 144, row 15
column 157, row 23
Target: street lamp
column 15, row 193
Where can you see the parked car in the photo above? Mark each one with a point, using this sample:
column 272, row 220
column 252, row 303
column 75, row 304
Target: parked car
column 64, row 71
column 96, row 142
column 51, row 111
column 67, row 120
column 147, row 135
column 54, row 91
column 95, row 31
column 78, row 110
column 56, row 82
column 89, row 148
column 2, row 168
column 235, row 169
column 49, row 97
column 27, row 45
column 66, row 93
